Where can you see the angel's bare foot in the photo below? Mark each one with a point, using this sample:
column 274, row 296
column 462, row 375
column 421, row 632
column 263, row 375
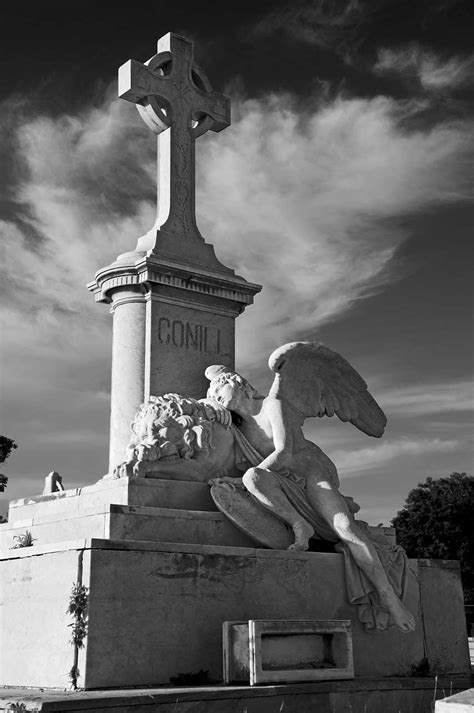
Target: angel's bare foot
column 403, row 619
column 303, row 531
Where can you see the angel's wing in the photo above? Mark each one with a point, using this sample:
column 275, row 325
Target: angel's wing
column 320, row 382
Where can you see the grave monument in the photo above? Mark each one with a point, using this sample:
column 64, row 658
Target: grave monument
column 129, row 581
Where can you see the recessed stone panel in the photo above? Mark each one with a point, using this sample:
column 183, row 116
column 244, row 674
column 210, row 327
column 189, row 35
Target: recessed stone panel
column 184, row 341
column 286, row 651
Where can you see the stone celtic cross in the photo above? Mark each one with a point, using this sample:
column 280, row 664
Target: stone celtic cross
column 176, row 101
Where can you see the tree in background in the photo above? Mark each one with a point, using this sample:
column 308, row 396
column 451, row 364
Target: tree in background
column 7, row 445
column 437, row 521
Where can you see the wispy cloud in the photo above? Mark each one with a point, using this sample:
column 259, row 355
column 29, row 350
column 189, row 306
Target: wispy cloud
column 329, row 24
column 300, row 201
column 434, row 72
column 366, row 459
column 424, row 399
column 305, row 203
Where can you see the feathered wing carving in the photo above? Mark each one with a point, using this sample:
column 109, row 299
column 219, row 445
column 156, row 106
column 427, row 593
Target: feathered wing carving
column 320, row 382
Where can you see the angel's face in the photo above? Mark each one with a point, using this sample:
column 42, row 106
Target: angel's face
column 235, row 397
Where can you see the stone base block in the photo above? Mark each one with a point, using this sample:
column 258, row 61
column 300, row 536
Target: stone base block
column 399, row 695
column 138, row 492
column 156, row 610
column 459, row 703
column 124, row 522
column 127, row 508
column 286, row 651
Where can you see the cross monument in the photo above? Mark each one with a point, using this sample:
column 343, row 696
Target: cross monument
column 173, row 302
column 171, row 92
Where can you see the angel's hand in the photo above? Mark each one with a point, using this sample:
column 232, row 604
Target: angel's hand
column 217, row 411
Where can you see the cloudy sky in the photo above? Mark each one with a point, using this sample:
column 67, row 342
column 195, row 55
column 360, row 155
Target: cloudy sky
column 343, row 186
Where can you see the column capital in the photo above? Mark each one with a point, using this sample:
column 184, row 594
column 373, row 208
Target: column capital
column 150, row 276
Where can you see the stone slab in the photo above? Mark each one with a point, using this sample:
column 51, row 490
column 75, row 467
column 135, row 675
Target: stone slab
column 125, row 522
column 64, row 509
column 459, row 703
column 286, row 651
column 400, row 695
column 139, row 492
column 443, row 614
column 156, row 610
column 94, row 511
column 184, row 338
column 166, row 525
column 35, row 637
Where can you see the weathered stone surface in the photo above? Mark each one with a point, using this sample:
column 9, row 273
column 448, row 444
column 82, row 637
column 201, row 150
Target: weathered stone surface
column 396, row 695
column 284, row 651
column 178, row 105
column 138, row 492
column 443, row 614
column 95, row 511
column 125, row 522
column 146, row 599
column 170, row 322
column 35, row 645
column 459, row 703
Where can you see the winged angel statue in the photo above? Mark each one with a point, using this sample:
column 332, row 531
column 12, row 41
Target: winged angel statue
column 289, row 490
column 292, row 477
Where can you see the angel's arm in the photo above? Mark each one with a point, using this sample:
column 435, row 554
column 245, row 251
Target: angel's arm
column 216, row 411
column 282, row 435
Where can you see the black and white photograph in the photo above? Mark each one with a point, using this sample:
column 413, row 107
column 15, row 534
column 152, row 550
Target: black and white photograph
column 236, row 362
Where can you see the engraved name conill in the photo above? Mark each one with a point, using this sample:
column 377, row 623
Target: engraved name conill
column 186, row 335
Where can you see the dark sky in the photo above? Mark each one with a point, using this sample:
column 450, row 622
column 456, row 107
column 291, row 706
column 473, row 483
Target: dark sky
column 344, row 186
column 63, row 53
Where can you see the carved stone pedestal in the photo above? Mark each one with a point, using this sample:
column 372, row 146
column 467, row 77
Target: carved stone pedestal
column 156, row 610
column 171, row 320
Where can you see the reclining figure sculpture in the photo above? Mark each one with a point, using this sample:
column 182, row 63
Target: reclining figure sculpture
column 285, row 474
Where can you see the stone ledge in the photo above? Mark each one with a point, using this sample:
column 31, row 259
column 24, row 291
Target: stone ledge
column 155, row 596
column 145, row 492
column 50, row 701
column 127, row 521
column 96, row 543
column 195, row 280
column 459, row 703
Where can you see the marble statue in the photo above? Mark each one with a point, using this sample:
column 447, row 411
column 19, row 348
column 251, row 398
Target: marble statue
column 272, row 483
column 181, row 438
column 293, row 479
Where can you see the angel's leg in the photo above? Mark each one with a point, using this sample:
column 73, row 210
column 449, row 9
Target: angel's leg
column 331, row 504
column 265, row 488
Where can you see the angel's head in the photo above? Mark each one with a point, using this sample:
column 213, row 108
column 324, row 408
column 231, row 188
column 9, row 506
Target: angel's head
column 232, row 390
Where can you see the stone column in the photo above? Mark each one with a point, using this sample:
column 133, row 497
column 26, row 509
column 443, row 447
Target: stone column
column 171, row 321
column 128, row 372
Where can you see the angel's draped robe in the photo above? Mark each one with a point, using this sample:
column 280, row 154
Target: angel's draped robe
column 360, row 590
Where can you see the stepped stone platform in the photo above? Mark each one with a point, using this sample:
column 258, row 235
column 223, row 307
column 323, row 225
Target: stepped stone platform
column 127, row 508
column 156, row 610
column 399, row 695
column 128, row 522
column 163, row 570
column 122, row 509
